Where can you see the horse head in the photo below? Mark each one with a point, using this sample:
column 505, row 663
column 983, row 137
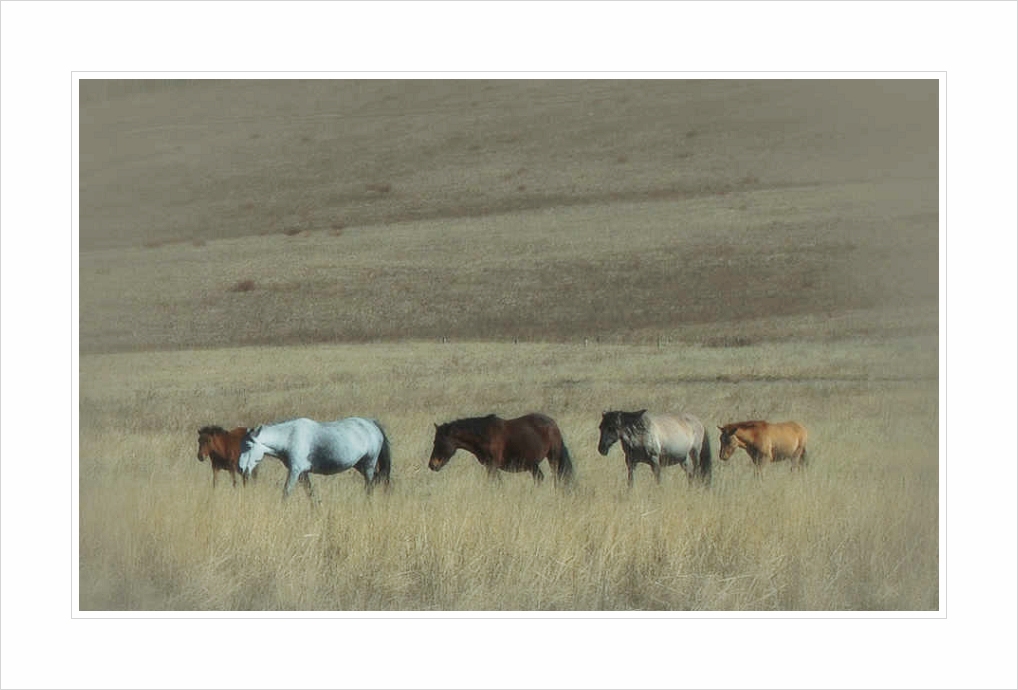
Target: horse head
column 729, row 442
column 614, row 425
column 251, row 452
column 610, row 428
column 442, row 449
column 206, row 435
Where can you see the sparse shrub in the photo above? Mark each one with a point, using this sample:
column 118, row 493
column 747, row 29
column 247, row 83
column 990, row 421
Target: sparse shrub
column 729, row 341
column 243, row 286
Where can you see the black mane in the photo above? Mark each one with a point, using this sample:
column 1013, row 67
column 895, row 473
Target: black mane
column 627, row 420
column 211, row 430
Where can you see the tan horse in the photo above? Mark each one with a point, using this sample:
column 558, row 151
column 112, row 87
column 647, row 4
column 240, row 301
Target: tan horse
column 222, row 448
column 765, row 442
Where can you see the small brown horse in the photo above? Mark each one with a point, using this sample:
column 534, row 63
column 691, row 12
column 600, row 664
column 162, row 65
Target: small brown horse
column 765, row 442
column 510, row 445
column 222, row 448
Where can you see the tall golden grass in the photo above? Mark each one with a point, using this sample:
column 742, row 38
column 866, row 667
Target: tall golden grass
column 857, row 531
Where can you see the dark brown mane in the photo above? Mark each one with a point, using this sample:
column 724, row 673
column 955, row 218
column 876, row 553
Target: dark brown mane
column 211, row 431
column 471, row 425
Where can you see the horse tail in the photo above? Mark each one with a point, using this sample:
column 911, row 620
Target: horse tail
column 383, row 467
column 564, row 470
column 705, row 459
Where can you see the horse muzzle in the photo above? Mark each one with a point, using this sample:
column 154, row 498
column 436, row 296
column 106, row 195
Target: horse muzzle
column 435, row 464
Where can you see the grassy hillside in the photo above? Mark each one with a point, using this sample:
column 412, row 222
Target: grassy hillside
column 200, row 160
column 796, row 263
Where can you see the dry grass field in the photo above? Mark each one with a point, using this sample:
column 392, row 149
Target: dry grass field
column 423, row 251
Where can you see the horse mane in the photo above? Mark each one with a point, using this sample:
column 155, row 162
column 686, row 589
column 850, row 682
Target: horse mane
column 632, row 421
column 472, row 425
column 211, row 430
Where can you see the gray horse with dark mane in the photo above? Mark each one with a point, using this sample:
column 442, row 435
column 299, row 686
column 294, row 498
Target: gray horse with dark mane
column 658, row 440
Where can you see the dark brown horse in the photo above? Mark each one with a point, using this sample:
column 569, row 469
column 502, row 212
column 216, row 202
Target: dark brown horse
column 510, row 445
column 765, row 442
column 222, row 448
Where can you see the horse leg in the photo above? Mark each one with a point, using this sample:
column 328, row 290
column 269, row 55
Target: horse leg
column 690, row 465
column 655, row 466
column 291, row 481
column 369, row 481
column 305, row 479
column 538, row 474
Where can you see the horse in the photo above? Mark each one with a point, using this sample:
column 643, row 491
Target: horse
column 509, row 445
column 658, row 439
column 306, row 447
column 222, row 448
column 765, row 442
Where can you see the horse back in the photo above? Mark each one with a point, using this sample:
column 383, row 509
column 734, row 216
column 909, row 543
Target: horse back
column 784, row 438
column 792, row 436
column 231, row 444
column 677, row 432
column 349, row 440
column 531, row 434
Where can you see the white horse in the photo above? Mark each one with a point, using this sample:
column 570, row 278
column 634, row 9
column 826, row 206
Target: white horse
column 658, row 439
column 306, row 446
